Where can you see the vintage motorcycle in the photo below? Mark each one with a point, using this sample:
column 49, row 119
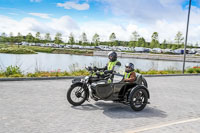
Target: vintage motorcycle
column 109, row 86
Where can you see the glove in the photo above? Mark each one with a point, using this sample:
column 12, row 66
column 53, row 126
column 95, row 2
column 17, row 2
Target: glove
column 108, row 71
column 95, row 68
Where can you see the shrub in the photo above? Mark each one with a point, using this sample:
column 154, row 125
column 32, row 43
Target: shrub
column 32, row 75
column 197, row 70
column 16, row 75
column 137, row 70
column 152, row 72
column 80, row 73
column 190, row 70
column 12, row 70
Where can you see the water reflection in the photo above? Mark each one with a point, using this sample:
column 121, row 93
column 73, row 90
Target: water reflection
column 49, row 62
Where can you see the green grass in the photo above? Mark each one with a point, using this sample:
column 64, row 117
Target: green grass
column 13, row 50
column 39, row 49
column 14, row 71
column 73, row 51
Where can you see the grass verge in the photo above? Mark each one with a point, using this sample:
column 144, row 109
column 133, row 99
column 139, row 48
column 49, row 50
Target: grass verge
column 14, row 71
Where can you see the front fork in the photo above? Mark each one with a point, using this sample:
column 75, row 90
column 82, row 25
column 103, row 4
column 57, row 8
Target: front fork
column 91, row 94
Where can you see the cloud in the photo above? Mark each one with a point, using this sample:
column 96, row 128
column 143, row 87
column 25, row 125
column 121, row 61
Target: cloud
column 41, row 15
column 73, row 5
column 166, row 17
column 64, row 25
column 11, row 13
column 35, row 0
column 148, row 11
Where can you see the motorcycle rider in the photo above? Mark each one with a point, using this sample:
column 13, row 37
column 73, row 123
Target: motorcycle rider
column 129, row 75
column 110, row 67
column 112, row 56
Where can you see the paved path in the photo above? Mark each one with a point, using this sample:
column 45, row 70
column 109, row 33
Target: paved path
column 41, row 107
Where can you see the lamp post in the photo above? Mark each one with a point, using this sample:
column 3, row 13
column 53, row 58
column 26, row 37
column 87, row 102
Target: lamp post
column 188, row 19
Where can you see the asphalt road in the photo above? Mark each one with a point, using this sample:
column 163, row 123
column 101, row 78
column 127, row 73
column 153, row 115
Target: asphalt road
column 41, row 107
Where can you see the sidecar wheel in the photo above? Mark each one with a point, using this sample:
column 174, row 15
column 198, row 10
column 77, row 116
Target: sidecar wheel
column 76, row 95
column 138, row 99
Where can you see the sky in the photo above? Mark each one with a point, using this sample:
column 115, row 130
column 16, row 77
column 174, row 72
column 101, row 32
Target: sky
column 103, row 17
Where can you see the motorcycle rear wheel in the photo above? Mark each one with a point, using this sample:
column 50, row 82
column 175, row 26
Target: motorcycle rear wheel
column 76, row 95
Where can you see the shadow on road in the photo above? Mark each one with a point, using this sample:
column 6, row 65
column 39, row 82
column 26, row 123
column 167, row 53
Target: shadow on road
column 119, row 111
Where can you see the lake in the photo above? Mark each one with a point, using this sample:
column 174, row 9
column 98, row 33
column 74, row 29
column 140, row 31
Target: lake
column 53, row 62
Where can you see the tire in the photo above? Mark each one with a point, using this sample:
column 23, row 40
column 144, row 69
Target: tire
column 144, row 82
column 138, row 98
column 79, row 92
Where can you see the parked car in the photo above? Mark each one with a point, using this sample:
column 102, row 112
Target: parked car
column 192, row 51
column 68, row 46
column 147, row 50
column 167, row 50
column 139, row 49
column 180, row 51
column 157, row 50
column 198, row 53
column 25, row 43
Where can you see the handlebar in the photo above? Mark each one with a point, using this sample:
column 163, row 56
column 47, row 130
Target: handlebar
column 97, row 71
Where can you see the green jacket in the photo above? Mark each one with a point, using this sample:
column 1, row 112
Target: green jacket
column 111, row 65
column 127, row 75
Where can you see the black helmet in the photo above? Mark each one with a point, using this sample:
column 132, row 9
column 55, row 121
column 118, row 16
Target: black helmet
column 112, row 56
column 129, row 67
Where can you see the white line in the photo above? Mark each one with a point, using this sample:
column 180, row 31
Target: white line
column 163, row 125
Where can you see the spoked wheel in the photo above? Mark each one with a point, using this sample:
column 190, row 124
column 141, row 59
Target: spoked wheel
column 138, row 99
column 76, row 95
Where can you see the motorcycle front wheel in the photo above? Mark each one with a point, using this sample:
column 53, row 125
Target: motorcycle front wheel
column 76, row 95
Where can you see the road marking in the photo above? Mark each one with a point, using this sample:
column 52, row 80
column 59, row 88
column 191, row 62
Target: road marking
column 163, row 125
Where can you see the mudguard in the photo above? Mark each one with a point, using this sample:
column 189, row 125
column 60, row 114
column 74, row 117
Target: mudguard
column 76, row 80
column 138, row 87
column 84, row 86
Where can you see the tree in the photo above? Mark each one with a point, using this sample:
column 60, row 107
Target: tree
column 47, row 37
column 58, row 39
column 84, row 37
column 174, row 46
column 196, row 45
column 131, row 44
column 37, row 37
column 112, row 37
column 3, row 37
column 135, row 36
column 11, row 38
column 71, row 39
column 154, row 36
column 154, row 42
column 29, row 38
column 96, row 39
column 141, row 42
column 164, row 45
column 179, row 38
column 19, row 38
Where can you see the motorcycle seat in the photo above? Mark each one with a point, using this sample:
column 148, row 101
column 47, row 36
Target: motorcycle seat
column 138, row 79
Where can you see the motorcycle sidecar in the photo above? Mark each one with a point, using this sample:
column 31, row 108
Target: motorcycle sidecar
column 134, row 94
